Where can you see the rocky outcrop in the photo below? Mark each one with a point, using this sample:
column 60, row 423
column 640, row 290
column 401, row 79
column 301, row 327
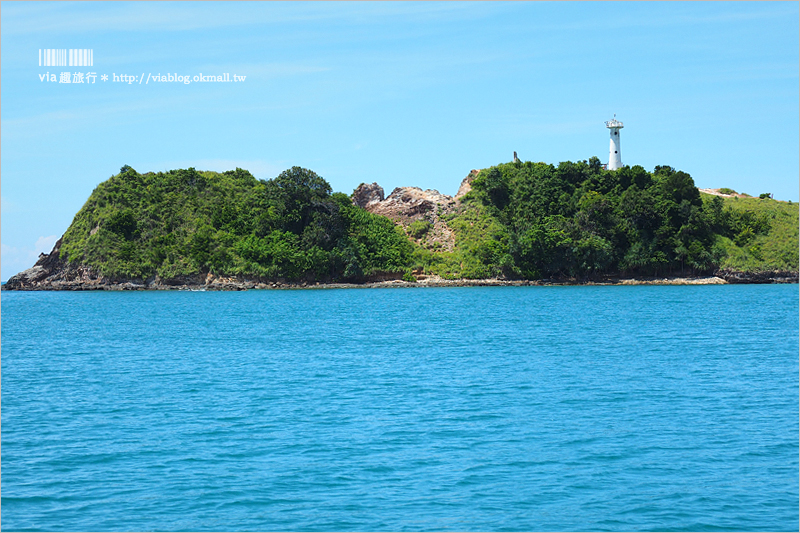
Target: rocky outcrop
column 407, row 205
column 772, row 276
column 52, row 272
column 411, row 202
column 466, row 184
column 367, row 195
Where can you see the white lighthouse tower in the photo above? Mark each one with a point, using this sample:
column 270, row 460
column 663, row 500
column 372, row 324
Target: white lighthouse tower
column 614, row 152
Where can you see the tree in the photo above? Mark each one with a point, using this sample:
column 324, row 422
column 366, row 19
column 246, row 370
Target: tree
column 494, row 184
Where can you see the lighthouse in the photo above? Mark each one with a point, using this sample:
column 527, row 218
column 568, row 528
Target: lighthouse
column 614, row 152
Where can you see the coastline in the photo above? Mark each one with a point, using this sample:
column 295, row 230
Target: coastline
column 219, row 283
column 51, row 273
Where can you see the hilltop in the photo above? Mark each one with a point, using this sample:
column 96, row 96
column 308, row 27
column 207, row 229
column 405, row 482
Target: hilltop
column 191, row 228
column 510, row 223
column 576, row 221
column 773, row 248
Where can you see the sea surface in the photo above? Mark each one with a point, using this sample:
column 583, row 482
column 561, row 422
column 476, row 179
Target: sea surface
column 628, row 408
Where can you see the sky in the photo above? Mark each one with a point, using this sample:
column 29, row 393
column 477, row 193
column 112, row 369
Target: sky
column 402, row 94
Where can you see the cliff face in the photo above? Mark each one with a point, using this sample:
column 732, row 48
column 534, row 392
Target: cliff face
column 51, row 272
column 412, row 208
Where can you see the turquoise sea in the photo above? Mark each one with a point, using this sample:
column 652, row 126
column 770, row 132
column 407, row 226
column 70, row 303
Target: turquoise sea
column 468, row 409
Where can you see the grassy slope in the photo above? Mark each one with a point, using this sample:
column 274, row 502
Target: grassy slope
column 778, row 250
column 480, row 243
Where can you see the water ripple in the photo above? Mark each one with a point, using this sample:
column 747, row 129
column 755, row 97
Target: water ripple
column 465, row 409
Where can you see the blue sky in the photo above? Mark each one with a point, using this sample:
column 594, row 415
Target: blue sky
column 405, row 94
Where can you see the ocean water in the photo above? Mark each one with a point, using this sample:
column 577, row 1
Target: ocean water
column 468, row 409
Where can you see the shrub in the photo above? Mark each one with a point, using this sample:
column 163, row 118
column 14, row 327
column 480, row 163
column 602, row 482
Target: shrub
column 419, row 228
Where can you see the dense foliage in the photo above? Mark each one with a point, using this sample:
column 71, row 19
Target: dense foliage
column 578, row 220
column 521, row 220
column 185, row 222
column 747, row 250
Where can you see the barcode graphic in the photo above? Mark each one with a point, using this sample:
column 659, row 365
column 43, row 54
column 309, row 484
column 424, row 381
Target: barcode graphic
column 52, row 57
column 57, row 57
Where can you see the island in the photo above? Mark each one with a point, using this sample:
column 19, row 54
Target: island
column 513, row 223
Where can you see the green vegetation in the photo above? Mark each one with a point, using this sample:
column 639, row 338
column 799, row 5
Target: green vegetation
column 185, row 222
column 577, row 220
column 480, row 247
column 763, row 234
column 521, row 220
column 419, row 228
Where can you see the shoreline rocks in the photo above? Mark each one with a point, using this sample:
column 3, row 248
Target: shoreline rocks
column 51, row 273
column 772, row 276
column 25, row 281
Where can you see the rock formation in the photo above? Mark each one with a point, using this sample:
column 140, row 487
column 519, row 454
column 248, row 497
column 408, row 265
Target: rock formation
column 406, row 205
column 51, row 272
column 466, row 184
column 366, row 195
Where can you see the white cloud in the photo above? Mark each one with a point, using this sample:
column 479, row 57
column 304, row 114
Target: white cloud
column 7, row 206
column 14, row 260
column 45, row 244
